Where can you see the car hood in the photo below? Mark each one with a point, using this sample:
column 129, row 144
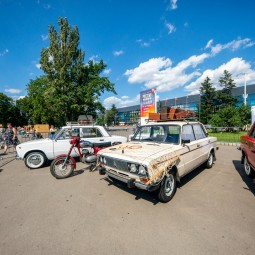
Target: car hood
column 35, row 142
column 140, row 152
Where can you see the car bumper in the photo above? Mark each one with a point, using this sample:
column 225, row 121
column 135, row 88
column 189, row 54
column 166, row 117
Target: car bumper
column 131, row 183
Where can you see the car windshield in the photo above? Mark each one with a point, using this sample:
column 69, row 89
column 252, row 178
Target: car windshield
column 158, row 133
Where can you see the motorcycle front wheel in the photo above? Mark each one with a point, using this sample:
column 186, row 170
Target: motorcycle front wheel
column 59, row 169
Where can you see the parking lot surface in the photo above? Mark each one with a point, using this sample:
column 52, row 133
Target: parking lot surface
column 213, row 212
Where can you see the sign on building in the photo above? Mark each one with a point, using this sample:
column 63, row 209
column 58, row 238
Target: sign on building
column 147, row 102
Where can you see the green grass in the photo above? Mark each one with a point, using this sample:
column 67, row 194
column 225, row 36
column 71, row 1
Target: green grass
column 230, row 137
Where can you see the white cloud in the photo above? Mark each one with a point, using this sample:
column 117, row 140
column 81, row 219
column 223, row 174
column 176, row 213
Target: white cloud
column 38, row 66
column 158, row 72
column 233, row 45
column 209, row 44
column 118, row 53
column 171, row 28
column 13, row 91
column 236, row 66
column 94, row 58
column 21, row 97
column 145, row 43
column 125, row 97
column 44, row 37
column 107, row 71
column 172, row 5
column 4, row 52
column 120, row 102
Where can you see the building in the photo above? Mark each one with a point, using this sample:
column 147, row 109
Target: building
column 131, row 114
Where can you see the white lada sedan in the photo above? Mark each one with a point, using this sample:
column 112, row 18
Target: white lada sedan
column 35, row 153
column 159, row 155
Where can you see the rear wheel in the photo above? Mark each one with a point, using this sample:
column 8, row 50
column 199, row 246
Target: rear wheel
column 209, row 162
column 35, row 159
column 167, row 188
column 59, row 169
column 247, row 167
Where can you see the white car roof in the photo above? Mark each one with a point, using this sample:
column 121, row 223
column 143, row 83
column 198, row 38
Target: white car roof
column 181, row 123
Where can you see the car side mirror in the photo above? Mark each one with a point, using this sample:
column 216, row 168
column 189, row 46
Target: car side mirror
column 184, row 141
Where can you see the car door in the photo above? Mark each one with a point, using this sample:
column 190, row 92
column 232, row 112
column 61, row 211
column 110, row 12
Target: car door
column 203, row 143
column 61, row 143
column 190, row 153
column 93, row 134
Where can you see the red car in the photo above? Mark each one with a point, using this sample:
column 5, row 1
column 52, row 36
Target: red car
column 247, row 147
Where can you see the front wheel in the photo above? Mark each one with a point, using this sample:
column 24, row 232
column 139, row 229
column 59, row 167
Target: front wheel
column 247, row 167
column 35, row 160
column 167, row 188
column 61, row 169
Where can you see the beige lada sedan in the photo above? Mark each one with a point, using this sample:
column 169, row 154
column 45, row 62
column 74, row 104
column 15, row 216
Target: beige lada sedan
column 158, row 155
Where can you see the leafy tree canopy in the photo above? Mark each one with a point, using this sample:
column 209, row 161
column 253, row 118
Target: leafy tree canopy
column 69, row 87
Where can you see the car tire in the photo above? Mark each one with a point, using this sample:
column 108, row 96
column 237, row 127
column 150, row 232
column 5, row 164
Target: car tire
column 167, row 188
column 35, row 160
column 209, row 162
column 247, row 168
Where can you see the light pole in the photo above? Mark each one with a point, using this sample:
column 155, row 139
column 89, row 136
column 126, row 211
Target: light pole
column 245, row 95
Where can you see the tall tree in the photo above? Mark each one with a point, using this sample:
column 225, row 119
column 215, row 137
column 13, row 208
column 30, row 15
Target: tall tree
column 207, row 92
column 9, row 112
column 111, row 115
column 225, row 96
column 69, row 87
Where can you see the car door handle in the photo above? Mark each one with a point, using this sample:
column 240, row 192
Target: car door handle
column 101, row 140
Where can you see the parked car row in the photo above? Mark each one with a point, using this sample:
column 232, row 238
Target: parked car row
column 158, row 156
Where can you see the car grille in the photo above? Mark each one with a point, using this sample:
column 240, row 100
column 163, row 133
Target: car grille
column 117, row 164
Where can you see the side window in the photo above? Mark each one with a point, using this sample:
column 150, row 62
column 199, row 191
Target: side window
column 65, row 134
column 91, row 133
column 199, row 132
column 187, row 133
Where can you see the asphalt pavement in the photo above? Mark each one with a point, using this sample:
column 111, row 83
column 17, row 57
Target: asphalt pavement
column 213, row 212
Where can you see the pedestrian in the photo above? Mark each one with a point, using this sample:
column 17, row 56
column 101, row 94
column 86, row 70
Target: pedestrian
column 11, row 137
column 52, row 132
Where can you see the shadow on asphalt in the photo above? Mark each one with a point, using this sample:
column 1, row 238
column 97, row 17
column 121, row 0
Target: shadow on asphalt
column 152, row 196
column 250, row 182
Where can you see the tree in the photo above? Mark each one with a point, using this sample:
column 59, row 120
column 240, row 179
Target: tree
column 227, row 117
column 69, row 87
column 9, row 111
column 244, row 112
column 208, row 93
column 225, row 96
column 111, row 115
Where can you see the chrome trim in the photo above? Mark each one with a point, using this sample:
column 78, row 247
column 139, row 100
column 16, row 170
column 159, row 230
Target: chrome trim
column 125, row 180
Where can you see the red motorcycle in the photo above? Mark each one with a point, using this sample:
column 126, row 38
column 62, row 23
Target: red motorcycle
column 64, row 164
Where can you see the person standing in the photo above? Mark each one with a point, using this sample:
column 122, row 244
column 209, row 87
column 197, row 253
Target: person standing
column 10, row 137
column 52, row 131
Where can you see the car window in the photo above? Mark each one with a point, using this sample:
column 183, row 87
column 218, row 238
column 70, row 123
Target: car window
column 173, row 134
column 187, row 133
column 64, row 134
column 91, row 133
column 199, row 132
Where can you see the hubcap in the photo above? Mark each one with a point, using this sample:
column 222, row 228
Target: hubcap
column 169, row 185
column 210, row 160
column 35, row 160
column 247, row 167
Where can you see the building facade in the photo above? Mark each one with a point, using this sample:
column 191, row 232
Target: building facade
column 131, row 114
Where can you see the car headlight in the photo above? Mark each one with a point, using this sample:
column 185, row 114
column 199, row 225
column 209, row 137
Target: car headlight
column 133, row 168
column 101, row 159
column 142, row 170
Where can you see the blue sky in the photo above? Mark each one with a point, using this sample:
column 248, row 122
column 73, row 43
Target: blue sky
column 170, row 45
